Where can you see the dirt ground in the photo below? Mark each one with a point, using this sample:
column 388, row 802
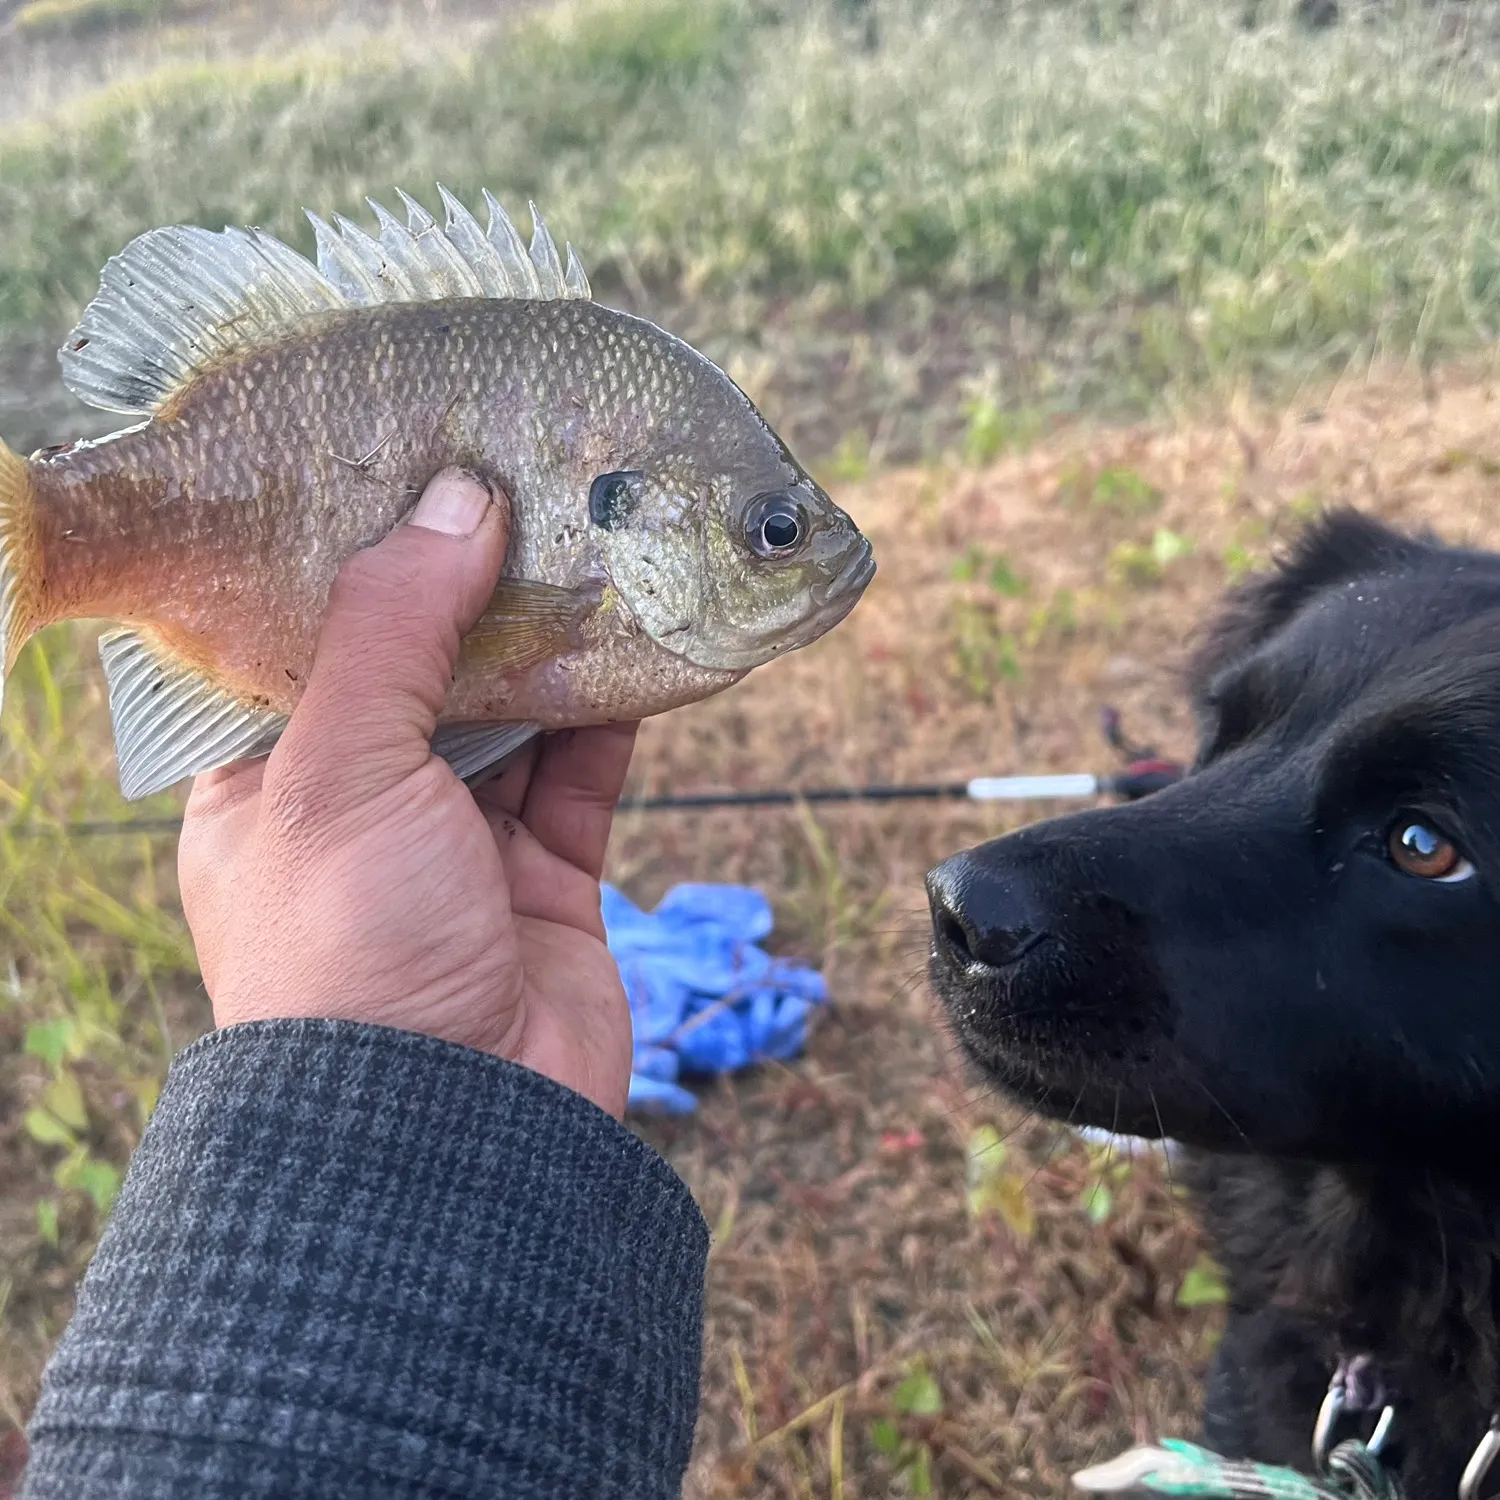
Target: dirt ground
column 848, row 1267
column 892, row 1311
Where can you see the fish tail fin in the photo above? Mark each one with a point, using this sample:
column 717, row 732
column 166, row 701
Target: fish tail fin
column 18, row 560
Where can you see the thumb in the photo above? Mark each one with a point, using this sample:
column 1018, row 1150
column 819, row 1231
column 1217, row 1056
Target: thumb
column 389, row 641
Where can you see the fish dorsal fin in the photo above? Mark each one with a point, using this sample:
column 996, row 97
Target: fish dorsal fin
column 175, row 299
column 421, row 261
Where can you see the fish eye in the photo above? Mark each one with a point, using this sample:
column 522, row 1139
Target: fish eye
column 1418, row 849
column 613, row 498
column 775, row 525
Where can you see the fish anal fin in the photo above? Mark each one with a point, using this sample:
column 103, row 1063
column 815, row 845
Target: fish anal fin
column 524, row 624
column 170, row 720
column 477, row 751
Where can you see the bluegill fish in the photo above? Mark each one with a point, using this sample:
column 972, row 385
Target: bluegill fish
column 663, row 539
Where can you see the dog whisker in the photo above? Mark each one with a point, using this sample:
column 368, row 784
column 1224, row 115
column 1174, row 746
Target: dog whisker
column 1213, row 1099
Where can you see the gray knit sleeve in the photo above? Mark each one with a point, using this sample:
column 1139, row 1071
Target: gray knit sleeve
column 350, row 1261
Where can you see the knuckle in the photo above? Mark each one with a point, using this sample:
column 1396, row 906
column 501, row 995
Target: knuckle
column 387, row 601
column 357, row 592
column 295, row 804
column 393, row 566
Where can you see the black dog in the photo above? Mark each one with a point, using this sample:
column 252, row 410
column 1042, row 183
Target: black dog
column 1290, row 963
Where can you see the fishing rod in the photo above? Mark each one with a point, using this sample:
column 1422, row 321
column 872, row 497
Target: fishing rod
column 1137, row 780
column 1145, row 773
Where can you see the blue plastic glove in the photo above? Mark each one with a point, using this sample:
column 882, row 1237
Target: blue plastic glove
column 704, row 998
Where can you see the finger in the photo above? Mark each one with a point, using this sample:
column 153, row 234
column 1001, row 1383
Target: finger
column 215, row 792
column 543, row 887
column 218, row 831
column 506, row 793
column 388, row 645
column 570, row 803
column 219, row 817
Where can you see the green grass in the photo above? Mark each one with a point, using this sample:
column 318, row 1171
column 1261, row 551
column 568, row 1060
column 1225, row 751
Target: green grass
column 42, row 18
column 99, row 987
column 1234, row 198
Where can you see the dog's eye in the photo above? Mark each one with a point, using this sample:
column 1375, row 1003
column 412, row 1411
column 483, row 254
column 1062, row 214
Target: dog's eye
column 1424, row 852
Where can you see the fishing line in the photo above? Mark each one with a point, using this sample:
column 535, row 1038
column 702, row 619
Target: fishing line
column 1139, row 779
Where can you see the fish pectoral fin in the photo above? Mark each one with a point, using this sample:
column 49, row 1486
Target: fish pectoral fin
column 477, row 751
column 525, row 623
column 171, row 721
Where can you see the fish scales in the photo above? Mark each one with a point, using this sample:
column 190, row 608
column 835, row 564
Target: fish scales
column 273, row 466
column 663, row 541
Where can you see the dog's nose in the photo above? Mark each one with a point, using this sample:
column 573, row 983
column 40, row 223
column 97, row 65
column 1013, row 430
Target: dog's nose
column 981, row 917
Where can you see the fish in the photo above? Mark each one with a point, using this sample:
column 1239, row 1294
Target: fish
column 663, row 540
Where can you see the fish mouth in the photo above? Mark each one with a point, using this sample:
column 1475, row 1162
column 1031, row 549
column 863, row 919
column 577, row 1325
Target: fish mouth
column 850, row 581
column 737, row 649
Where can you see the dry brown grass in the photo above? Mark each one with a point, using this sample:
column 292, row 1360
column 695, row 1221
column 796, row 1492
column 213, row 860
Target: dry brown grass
column 846, row 1258
column 845, row 1255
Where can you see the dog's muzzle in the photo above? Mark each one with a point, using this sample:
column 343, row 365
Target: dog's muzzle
column 983, row 923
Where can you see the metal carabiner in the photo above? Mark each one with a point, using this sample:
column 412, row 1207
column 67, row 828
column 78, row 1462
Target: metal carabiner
column 1480, row 1462
column 1325, row 1431
column 1382, row 1433
column 1349, row 1392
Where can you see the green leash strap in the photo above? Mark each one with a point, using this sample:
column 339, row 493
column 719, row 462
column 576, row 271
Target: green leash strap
column 1173, row 1467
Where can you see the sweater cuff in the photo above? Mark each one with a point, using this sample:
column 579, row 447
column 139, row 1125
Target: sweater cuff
column 348, row 1260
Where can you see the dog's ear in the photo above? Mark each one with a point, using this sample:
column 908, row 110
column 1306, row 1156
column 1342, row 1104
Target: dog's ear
column 1339, row 545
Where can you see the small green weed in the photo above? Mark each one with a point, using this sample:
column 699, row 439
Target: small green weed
column 991, row 430
column 1141, row 566
column 991, row 1189
column 977, row 563
column 850, row 461
column 1054, row 620
column 1203, row 1286
column 918, row 1396
column 1115, row 489
column 1238, row 562
column 1247, row 551
column 1459, row 458
column 830, row 909
column 984, row 652
column 1124, row 492
column 1110, row 1174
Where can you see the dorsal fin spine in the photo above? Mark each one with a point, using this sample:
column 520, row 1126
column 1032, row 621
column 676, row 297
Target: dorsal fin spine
column 177, row 297
column 502, row 235
column 544, row 257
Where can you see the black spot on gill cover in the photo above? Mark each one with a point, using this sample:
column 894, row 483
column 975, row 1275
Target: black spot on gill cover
column 612, row 499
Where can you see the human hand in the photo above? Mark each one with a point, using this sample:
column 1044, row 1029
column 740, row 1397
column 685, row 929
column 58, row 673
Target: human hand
column 352, row 874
